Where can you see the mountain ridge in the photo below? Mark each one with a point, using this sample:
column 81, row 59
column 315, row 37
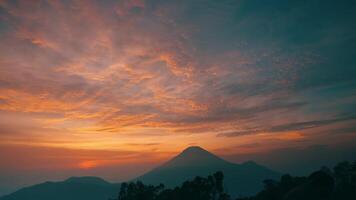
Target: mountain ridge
column 194, row 154
column 191, row 162
column 87, row 180
column 241, row 179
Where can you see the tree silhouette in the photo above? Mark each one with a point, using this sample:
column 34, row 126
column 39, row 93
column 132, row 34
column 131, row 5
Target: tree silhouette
column 324, row 184
column 210, row 188
column 139, row 191
column 345, row 180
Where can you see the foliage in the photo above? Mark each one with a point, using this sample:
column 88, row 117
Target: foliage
column 210, row 188
column 324, row 184
column 339, row 184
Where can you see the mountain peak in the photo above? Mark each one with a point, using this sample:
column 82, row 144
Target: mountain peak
column 244, row 179
column 194, row 149
column 195, row 155
column 195, row 152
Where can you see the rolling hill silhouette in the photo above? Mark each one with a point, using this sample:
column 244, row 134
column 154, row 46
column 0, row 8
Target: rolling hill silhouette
column 240, row 179
column 74, row 188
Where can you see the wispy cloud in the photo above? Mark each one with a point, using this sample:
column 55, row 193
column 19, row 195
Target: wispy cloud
column 165, row 74
column 297, row 126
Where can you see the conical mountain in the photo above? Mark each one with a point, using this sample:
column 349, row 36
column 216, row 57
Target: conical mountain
column 194, row 156
column 240, row 179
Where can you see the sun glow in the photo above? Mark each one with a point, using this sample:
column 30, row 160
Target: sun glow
column 89, row 164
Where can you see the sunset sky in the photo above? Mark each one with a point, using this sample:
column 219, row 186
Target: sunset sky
column 113, row 88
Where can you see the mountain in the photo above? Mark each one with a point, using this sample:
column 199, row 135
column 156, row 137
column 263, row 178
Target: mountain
column 75, row 188
column 88, row 180
column 240, row 179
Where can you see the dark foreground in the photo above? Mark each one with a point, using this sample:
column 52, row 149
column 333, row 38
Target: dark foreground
column 325, row 184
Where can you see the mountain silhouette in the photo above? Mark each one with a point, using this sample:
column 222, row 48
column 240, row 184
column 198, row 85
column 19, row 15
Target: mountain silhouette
column 74, row 188
column 194, row 155
column 240, row 179
column 87, row 180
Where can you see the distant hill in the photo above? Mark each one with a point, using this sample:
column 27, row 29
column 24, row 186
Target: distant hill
column 75, row 188
column 240, row 179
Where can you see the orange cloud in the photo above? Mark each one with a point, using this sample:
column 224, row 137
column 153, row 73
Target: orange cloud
column 93, row 75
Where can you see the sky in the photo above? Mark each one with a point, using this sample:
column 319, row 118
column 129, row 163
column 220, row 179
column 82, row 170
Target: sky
column 113, row 88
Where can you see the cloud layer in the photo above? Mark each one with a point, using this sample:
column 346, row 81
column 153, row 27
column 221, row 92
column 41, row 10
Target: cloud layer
column 154, row 76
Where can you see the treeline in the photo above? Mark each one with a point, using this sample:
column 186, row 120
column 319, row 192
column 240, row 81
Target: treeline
column 197, row 189
column 325, row 184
